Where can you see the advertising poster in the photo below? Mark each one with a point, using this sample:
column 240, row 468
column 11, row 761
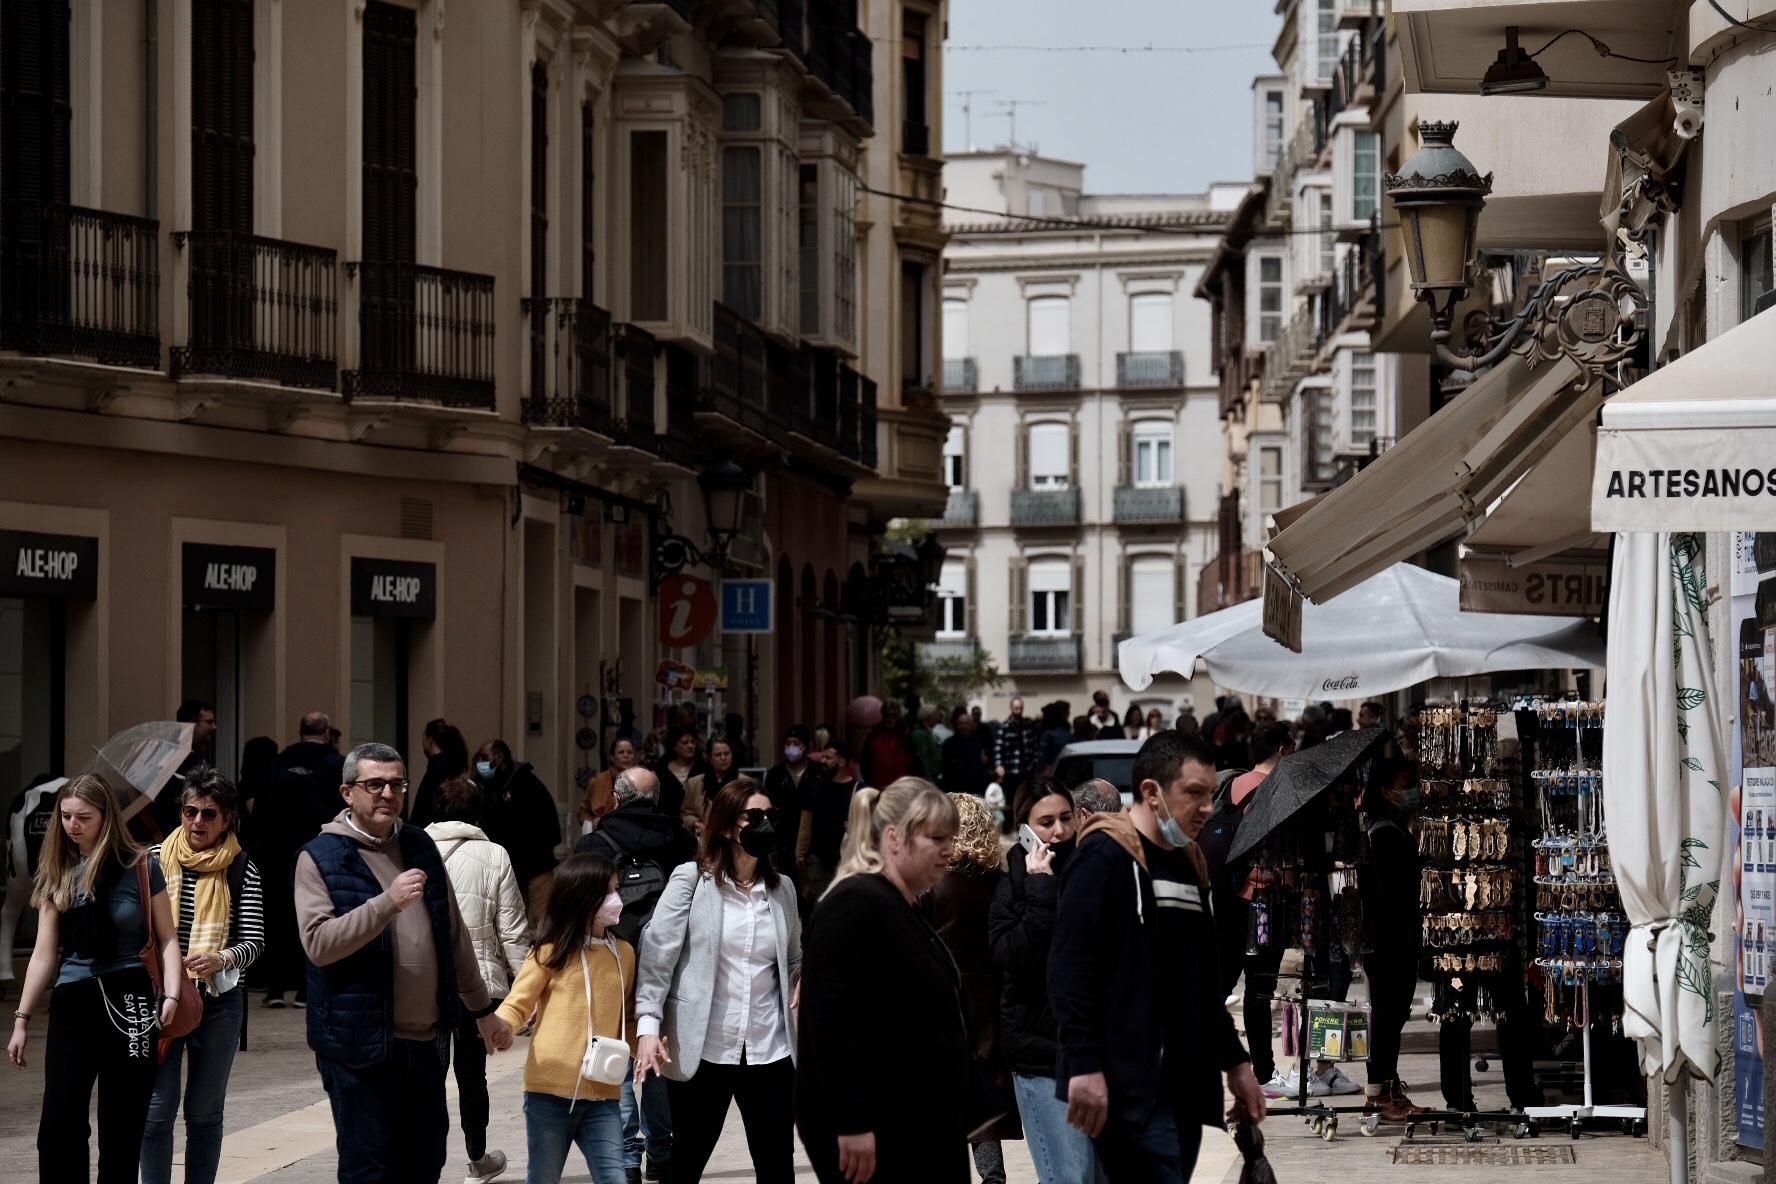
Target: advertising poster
column 1754, row 787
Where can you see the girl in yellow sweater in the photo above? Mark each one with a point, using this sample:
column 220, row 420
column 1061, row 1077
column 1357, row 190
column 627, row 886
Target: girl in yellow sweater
column 580, row 981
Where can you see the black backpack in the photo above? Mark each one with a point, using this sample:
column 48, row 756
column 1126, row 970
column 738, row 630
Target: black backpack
column 640, row 883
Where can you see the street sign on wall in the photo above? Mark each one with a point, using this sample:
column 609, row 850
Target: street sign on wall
column 687, row 610
column 746, row 606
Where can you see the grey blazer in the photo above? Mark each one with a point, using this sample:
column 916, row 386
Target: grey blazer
column 679, row 949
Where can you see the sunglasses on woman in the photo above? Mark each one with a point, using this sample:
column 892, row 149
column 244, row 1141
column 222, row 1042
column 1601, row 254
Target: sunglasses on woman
column 755, row 816
column 207, row 813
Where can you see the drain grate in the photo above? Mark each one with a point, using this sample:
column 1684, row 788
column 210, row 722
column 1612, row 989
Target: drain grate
column 1494, row 1156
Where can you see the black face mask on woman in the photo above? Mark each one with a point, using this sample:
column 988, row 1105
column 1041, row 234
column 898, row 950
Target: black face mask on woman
column 759, row 839
column 1062, row 848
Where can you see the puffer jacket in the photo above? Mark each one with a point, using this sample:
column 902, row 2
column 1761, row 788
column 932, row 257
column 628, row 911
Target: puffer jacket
column 489, row 899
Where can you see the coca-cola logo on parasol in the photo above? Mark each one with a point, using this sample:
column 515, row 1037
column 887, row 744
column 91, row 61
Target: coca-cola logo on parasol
column 1347, row 683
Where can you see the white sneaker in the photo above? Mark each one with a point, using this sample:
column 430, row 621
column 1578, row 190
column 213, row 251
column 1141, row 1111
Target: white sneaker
column 486, row 1168
column 1333, row 1081
column 1278, row 1086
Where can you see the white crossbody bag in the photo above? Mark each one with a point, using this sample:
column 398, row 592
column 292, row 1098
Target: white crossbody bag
column 606, row 1060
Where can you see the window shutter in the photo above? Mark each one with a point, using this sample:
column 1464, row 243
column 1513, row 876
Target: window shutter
column 1124, row 450
column 1023, row 458
column 1073, row 456
column 35, row 106
column 1078, row 595
column 391, row 172
column 588, row 249
column 1018, row 576
column 972, row 604
column 222, row 115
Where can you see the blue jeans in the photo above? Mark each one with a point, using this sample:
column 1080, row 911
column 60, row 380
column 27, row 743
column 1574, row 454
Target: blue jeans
column 551, row 1123
column 652, row 1119
column 1062, row 1155
column 1161, row 1150
column 210, row 1052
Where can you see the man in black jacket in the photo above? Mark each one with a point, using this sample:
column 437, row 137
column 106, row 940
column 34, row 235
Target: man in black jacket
column 303, row 796
column 1133, row 977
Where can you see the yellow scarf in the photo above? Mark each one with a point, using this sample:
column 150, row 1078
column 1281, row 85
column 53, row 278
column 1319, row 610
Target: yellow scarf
column 211, row 907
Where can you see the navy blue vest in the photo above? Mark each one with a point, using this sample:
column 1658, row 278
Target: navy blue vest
column 351, row 1002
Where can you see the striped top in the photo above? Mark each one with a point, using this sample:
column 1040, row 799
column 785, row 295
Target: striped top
column 246, row 930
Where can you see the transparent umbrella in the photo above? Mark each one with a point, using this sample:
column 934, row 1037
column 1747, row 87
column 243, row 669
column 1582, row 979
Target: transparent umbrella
column 139, row 760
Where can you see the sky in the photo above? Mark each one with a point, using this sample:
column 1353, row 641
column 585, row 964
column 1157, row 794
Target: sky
column 1139, row 122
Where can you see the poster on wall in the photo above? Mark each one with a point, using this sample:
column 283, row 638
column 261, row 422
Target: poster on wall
column 1754, row 789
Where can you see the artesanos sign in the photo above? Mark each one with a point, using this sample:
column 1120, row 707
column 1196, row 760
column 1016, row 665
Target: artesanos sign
column 1683, row 479
column 1549, row 589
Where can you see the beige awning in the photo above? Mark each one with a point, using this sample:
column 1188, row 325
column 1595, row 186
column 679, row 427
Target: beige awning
column 1440, row 477
column 1549, row 511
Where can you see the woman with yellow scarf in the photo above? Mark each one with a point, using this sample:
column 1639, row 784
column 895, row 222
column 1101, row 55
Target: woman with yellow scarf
column 219, row 911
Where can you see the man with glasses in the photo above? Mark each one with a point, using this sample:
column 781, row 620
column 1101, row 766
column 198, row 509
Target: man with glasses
column 389, row 964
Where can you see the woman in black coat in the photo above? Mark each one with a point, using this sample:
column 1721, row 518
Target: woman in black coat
column 882, row 1080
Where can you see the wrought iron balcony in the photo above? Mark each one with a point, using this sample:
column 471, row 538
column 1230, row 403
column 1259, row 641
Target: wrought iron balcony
column 80, row 283
column 1045, row 372
column 842, row 56
column 868, row 423
column 423, row 333
column 948, row 649
column 260, row 309
column 570, row 365
column 1136, row 506
column 1042, row 654
column 738, row 373
column 684, row 371
column 788, row 390
column 1045, row 507
column 632, row 410
column 961, row 375
column 961, row 511
column 848, row 412
column 1150, row 369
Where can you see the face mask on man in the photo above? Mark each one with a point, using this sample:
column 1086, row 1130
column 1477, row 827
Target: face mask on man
column 484, row 768
column 610, row 912
column 792, row 753
column 1168, row 827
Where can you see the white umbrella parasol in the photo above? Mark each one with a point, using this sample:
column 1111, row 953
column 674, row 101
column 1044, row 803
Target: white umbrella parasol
column 1662, row 765
column 139, row 760
column 1398, row 628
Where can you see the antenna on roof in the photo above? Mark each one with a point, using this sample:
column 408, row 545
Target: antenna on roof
column 967, row 97
column 1009, row 109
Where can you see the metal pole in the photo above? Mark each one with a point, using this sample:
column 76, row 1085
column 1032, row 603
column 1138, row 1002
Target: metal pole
column 1677, row 1130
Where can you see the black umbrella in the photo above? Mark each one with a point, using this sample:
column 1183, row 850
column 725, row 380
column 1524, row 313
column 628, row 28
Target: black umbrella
column 1254, row 1169
column 1298, row 779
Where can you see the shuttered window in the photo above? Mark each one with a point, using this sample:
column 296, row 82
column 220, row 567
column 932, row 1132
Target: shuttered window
column 1050, row 326
column 1150, row 322
column 1049, row 447
column 222, row 115
column 955, row 328
column 1150, row 594
column 35, row 112
column 391, row 170
column 539, row 181
column 588, row 208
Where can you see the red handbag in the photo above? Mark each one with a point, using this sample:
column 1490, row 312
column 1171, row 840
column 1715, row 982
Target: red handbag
column 189, row 1012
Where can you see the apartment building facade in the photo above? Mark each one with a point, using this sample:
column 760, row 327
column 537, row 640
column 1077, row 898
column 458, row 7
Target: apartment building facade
column 1083, row 446
column 367, row 358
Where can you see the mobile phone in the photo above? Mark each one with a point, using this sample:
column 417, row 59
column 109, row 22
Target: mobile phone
column 1027, row 839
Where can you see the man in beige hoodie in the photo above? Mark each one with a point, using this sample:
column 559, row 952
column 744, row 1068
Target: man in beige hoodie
column 389, row 964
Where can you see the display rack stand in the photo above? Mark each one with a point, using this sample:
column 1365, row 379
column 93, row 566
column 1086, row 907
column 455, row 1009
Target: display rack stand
column 1628, row 1120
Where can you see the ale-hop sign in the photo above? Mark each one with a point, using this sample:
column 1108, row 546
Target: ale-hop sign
column 1550, row 588
column 217, row 576
column 394, row 588
column 54, row 565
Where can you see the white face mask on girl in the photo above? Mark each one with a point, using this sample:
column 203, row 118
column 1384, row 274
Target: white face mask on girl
column 610, row 912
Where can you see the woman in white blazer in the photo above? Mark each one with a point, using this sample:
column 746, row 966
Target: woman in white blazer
column 715, row 992
column 492, row 907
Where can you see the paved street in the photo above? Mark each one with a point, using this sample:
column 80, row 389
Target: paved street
column 279, row 1128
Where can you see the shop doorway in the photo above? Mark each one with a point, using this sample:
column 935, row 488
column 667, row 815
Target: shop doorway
column 225, row 651
column 33, row 690
column 380, row 657
column 210, row 670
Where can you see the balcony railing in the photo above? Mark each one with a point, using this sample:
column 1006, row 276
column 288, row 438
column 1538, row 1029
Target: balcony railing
column 1290, row 356
column 947, row 649
column 260, row 309
column 1045, row 507
column 738, row 372
column 684, row 370
column 787, row 387
column 849, row 405
column 1045, row 372
column 80, row 283
column 961, row 375
column 841, row 55
column 826, row 399
column 1033, row 654
column 1136, row 506
column 423, row 333
column 632, row 420
column 570, row 365
column 1152, row 368
column 962, row 510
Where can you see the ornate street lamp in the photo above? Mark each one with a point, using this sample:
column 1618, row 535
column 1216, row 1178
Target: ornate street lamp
column 724, row 487
column 1590, row 312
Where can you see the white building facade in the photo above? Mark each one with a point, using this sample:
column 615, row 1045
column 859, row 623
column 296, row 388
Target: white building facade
column 1084, row 447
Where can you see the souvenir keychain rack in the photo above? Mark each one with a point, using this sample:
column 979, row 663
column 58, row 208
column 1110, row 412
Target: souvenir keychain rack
column 1580, row 925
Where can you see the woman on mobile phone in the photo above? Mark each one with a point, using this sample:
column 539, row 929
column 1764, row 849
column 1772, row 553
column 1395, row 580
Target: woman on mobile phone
column 1021, row 927
column 92, row 926
column 715, row 996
